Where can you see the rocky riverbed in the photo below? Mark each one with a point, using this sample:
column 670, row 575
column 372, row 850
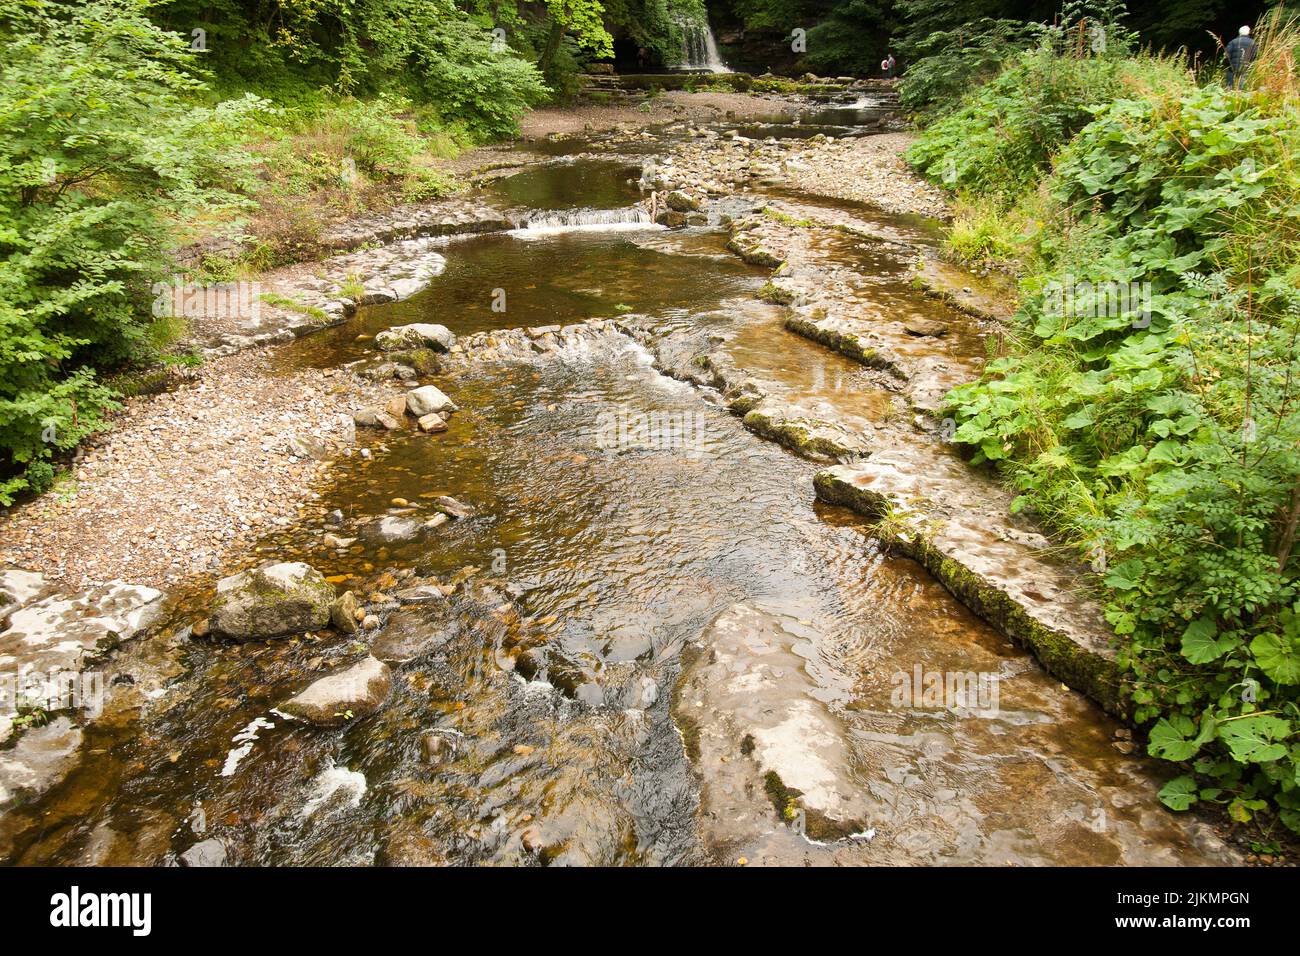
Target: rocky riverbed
column 448, row 582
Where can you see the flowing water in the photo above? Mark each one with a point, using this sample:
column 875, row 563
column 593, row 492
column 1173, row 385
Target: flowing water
column 700, row 610
column 699, row 48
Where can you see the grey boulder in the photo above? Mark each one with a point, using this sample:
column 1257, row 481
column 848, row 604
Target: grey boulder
column 271, row 601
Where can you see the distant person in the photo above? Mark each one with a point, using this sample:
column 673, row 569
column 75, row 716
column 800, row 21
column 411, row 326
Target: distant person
column 892, row 62
column 1241, row 50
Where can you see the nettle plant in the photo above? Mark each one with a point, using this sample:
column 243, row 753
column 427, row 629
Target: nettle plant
column 1169, row 440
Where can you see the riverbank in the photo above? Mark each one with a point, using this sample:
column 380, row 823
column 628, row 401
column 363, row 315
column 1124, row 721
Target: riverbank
column 188, row 478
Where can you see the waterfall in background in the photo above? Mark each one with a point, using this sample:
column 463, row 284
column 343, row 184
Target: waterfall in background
column 699, row 48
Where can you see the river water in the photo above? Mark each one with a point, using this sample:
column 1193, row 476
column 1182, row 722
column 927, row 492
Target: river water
column 718, row 640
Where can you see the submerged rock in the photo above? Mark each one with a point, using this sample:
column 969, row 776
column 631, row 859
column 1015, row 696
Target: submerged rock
column 410, row 633
column 39, row 761
column 925, row 327
column 453, row 508
column 354, row 692
column 272, row 601
column 208, row 853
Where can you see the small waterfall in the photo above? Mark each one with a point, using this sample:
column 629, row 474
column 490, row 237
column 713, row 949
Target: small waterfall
column 699, row 48
column 567, row 220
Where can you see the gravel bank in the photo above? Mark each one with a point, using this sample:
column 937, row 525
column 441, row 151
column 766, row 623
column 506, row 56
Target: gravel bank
column 188, row 477
column 869, row 169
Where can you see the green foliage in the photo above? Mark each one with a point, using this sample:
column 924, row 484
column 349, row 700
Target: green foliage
column 1002, row 137
column 95, row 162
column 429, row 50
column 1159, row 428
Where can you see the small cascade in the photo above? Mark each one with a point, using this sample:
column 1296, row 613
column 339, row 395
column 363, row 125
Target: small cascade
column 699, row 48
column 552, row 221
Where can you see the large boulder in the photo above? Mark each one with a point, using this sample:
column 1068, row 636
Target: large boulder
column 271, row 601
column 351, row 693
column 416, row 336
column 426, row 400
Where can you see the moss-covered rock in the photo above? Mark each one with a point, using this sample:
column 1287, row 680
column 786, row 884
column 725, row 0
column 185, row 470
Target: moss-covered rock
column 272, row 601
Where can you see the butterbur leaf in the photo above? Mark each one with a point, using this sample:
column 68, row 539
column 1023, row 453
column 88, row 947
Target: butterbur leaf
column 1200, row 644
column 1255, row 739
column 1179, row 793
column 1277, row 657
column 1171, row 738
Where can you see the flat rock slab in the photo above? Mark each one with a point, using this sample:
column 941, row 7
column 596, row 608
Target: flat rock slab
column 958, row 526
column 64, row 631
column 42, row 758
column 348, row 695
column 412, row 632
column 764, row 745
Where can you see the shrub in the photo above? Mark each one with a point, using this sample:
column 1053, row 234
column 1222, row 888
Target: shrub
column 1163, row 435
column 96, row 162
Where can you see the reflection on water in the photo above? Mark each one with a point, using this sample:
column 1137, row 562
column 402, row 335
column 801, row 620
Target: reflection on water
column 564, row 278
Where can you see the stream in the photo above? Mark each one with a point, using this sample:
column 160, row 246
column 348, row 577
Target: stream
column 724, row 650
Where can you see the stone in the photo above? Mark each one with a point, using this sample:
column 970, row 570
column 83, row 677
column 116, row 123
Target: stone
column 18, row 588
column 417, row 335
column 411, row 632
column 66, row 631
column 272, row 601
column 307, row 446
column 337, row 542
column 420, row 594
column 396, row 406
column 426, row 400
column 450, row 506
column 925, row 327
column 679, row 201
column 431, row 423
column 437, row 748
column 208, row 853
column 343, row 613
column 376, row 417
column 423, row 361
column 356, row 691
column 392, row 529
column 39, row 761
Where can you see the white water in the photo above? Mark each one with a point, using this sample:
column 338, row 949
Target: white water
column 699, row 48
column 586, row 220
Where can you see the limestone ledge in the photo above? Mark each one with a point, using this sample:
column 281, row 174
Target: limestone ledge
column 1002, row 573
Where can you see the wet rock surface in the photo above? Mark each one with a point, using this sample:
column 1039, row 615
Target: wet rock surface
column 272, row 601
column 351, row 694
column 534, row 715
column 960, row 528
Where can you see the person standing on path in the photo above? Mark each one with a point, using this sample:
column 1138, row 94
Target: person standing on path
column 1241, row 50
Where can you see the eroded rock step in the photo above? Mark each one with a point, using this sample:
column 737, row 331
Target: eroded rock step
column 938, row 511
column 791, row 775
